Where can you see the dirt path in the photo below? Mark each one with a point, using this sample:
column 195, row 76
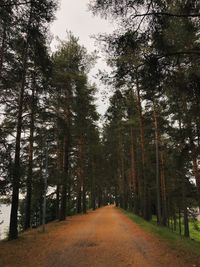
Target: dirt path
column 102, row 238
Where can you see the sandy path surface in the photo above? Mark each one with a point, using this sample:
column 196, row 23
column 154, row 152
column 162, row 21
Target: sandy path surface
column 105, row 237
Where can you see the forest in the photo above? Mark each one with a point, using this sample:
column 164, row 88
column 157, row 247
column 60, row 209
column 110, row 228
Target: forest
column 57, row 158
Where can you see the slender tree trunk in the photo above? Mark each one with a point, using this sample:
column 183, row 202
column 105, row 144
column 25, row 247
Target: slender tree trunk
column 157, row 165
column 83, row 181
column 57, row 201
column 117, row 195
column 93, row 186
column 79, row 195
column 30, row 165
column 120, row 170
column 79, row 178
column 84, row 197
column 183, row 189
column 99, row 198
column 134, row 177
column 59, row 173
column 69, row 194
column 123, row 177
column 13, row 230
column 195, row 165
column 2, row 49
column 63, row 207
column 175, row 220
column 41, row 194
column 146, row 213
column 185, row 211
column 81, row 186
column 163, row 189
column 179, row 221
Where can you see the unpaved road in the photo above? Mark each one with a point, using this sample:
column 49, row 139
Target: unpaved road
column 103, row 238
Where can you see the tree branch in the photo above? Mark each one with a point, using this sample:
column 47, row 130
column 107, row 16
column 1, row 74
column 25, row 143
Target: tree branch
column 149, row 6
column 15, row 4
column 194, row 15
column 193, row 52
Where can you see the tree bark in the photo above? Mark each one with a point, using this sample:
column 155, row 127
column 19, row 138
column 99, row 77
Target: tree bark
column 2, row 50
column 183, row 186
column 81, row 186
column 157, row 165
column 30, row 164
column 163, row 190
column 93, row 186
column 57, row 200
column 79, row 195
column 13, row 230
column 185, row 211
column 83, row 181
column 63, row 206
column 134, row 178
column 146, row 213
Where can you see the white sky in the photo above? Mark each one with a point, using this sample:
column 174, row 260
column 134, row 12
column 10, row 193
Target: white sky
column 74, row 16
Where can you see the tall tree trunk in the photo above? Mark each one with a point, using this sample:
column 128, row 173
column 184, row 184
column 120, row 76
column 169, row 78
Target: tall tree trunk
column 57, row 200
column 13, row 230
column 183, row 185
column 134, row 177
column 163, row 190
column 79, row 194
column 2, row 49
column 123, row 177
column 30, row 164
column 146, row 213
column 84, row 196
column 81, row 186
column 179, row 220
column 83, row 181
column 185, row 211
column 63, row 206
column 121, row 171
column 79, row 179
column 69, row 184
column 59, row 172
column 117, row 195
column 157, row 165
column 93, row 186
column 99, row 197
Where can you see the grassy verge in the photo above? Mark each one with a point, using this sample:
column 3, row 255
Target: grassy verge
column 173, row 239
column 194, row 234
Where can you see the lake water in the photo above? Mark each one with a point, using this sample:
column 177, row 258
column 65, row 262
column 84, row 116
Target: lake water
column 5, row 217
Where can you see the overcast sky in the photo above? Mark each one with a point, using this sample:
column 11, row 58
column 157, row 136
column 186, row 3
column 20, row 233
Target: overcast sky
column 74, row 16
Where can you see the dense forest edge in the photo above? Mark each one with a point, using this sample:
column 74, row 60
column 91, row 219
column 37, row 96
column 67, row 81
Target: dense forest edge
column 57, row 159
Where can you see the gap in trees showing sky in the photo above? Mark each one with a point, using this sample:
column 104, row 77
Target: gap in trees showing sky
column 74, row 16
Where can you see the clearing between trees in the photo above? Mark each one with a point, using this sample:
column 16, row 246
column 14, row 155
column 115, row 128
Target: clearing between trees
column 105, row 237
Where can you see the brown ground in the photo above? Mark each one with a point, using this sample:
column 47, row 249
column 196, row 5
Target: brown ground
column 103, row 238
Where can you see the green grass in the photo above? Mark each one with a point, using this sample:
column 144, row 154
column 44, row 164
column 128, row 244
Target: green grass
column 173, row 239
column 194, row 234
